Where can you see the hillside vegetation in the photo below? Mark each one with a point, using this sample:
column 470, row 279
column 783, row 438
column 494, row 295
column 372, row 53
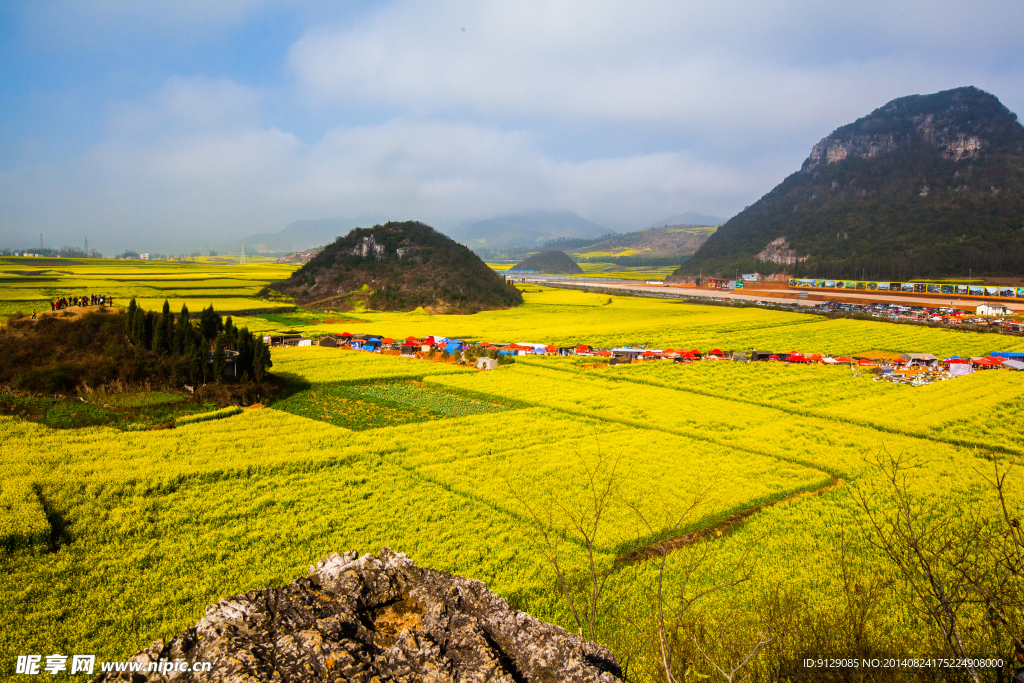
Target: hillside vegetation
column 399, row 267
column 554, row 262
column 113, row 351
column 673, row 242
column 927, row 185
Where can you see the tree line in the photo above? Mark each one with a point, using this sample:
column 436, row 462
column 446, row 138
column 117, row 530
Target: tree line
column 203, row 343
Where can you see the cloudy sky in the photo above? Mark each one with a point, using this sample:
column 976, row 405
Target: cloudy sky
column 161, row 125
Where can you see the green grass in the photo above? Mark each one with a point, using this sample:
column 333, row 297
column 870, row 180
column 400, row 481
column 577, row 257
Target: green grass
column 382, row 404
column 130, row 411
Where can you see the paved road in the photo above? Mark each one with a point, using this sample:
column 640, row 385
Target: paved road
column 814, row 297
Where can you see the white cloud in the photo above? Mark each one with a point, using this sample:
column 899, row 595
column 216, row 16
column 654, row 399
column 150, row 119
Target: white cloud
column 622, row 112
column 759, row 66
column 170, row 169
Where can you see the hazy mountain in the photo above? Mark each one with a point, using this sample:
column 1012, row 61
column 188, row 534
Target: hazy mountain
column 524, row 230
column 927, row 185
column 674, row 241
column 302, row 235
column 690, row 218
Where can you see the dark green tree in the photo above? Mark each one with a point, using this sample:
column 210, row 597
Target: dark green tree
column 245, row 352
column 163, row 336
column 182, row 333
column 230, row 334
column 218, row 358
column 196, row 364
column 129, row 322
column 138, row 333
column 260, row 359
column 148, row 328
column 210, row 324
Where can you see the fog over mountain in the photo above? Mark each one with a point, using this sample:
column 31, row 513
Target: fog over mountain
column 524, row 230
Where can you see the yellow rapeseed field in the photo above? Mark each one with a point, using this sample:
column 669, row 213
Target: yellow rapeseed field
column 111, row 539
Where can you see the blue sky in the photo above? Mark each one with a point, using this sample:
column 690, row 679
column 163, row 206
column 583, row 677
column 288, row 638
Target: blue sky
column 162, row 126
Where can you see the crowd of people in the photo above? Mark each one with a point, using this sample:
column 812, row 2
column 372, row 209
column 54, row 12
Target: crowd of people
column 88, row 300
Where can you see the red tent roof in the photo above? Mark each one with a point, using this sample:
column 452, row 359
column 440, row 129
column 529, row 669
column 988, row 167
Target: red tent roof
column 582, row 347
column 843, row 359
column 950, row 360
column 815, row 356
column 428, row 340
column 389, row 340
column 604, row 353
column 717, row 352
column 695, row 352
column 550, row 349
column 669, row 350
column 412, row 339
column 345, row 334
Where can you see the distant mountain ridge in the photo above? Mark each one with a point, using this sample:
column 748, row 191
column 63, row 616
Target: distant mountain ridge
column 302, row 234
column 667, row 242
column 525, row 230
column 689, row 218
column 926, row 185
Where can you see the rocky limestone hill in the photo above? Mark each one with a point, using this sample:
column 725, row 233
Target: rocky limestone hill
column 300, row 257
column 376, row 619
column 927, row 185
column 398, row 267
column 554, row 262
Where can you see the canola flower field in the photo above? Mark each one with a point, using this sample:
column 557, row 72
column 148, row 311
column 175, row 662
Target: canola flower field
column 111, row 539
column 28, row 283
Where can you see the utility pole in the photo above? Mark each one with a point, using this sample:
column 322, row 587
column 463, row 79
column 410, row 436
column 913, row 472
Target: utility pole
column 243, row 253
column 40, row 241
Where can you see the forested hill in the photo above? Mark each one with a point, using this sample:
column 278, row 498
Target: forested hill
column 399, row 267
column 927, row 185
column 553, row 262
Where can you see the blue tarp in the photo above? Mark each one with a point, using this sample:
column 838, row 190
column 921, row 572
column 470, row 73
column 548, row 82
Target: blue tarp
column 1007, row 354
column 454, row 346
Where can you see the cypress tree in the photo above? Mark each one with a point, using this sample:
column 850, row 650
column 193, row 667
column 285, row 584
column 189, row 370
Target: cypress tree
column 139, row 328
column 129, row 322
column 245, row 349
column 163, row 338
column 260, row 359
column 229, row 333
column 182, row 336
column 196, row 361
column 149, row 329
column 218, row 358
column 210, row 324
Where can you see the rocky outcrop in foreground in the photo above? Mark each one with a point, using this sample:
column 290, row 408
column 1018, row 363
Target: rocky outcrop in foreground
column 375, row 619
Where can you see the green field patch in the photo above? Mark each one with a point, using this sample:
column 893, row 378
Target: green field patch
column 139, row 412
column 382, row 404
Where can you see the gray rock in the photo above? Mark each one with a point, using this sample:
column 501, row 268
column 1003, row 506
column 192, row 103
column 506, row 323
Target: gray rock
column 374, row 619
